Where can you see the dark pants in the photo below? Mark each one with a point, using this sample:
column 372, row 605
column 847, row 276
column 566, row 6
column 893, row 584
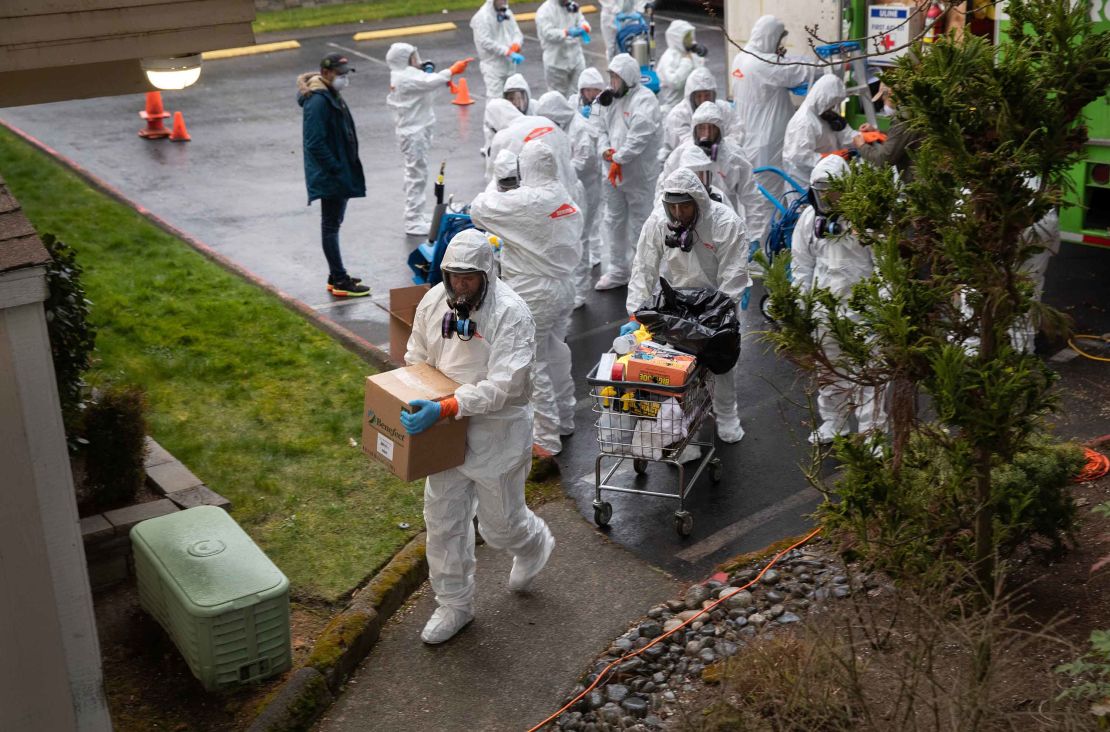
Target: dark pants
column 331, row 218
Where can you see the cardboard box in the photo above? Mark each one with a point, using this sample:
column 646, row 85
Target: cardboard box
column 652, row 363
column 402, row 310
column 409, row 457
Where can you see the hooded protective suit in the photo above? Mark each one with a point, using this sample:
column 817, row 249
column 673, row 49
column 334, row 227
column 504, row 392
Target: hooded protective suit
column 835, row 263
column 498, row 115
column 523, row 129
column 410, row 102
column 560, row 110
column 718, row 259
column 563, row 60
column 609, row 11
column 1045, row 233
column 808, row 137
column 505, row 165
column 587, row 165
column 630, row 128
column 732, row 172
column 542, row 233
column 675, row 65
column 517, row 82
column 495, row 377
column 761, row 91
column 677, row 122
column 494, row 41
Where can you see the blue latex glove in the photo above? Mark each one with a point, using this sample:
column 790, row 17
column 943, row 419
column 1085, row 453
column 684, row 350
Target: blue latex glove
column 426, row 414
column 745, row 298
column 575, row 32
column 622, row 17
column 585, row 109
column 630, row 327
column 585, row 37
column 516, row 58
column 800, row 90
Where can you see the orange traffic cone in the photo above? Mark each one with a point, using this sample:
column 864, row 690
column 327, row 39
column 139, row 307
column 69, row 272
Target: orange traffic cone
column 179, row 134
column 154, row 114
column 462, row 95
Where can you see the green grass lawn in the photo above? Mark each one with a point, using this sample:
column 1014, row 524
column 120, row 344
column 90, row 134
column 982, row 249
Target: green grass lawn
column 278, row 20
column 258, row 403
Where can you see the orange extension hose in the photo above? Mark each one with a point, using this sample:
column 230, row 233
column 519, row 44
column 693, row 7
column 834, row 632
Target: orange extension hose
column 670, row 632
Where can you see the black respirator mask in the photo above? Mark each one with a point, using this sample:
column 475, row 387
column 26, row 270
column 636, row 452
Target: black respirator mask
column 710, row 147
column 571, row 7
column 825, row 226
column 457, row 322
column 680, row 236
column 502, row 13
column 697, row 49
column 835, row 121
column 428, row 66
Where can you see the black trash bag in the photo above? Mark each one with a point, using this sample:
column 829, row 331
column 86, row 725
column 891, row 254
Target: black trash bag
column 695, row 320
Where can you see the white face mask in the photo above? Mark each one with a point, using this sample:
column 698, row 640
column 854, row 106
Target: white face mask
column 340, row 83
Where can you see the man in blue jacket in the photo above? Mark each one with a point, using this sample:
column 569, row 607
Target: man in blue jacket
column 332, row 170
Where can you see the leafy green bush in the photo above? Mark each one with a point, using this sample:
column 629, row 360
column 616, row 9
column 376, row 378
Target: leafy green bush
column 1091, row 673
column 72, row 337
column 921, row 525
column 115, row 427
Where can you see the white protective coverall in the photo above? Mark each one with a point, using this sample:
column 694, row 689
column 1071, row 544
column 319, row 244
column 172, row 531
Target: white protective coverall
column 495, row 377
column 498, row 115
column 523, row 129
column 630, row 127
column 718, row 260
column 563, row 60
column 588, row 166
column 493, row 40
column 761, row 84
column 808, row 137
column 677, row 123
column 505, row 165
column 1045, row 233
column 561, row 111
column 675, row 65
column 835, row 263
column 609, row 11
column 410, row 101
column 517, row 82
column 732, row 172
column 542, row 233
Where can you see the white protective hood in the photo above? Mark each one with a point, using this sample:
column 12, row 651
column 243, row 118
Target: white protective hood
column 555, row 107
column 505, row 165
column 700, row 79
column 676, row 32
column 766, row 34
column 708, row 114
column 398, row 55
column 499, row 114
column 591, row 78
column 626, row 68
column 828, row 92
column 831, row 166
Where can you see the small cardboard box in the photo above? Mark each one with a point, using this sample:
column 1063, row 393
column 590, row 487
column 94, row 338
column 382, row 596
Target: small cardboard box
column 402, row 310
column 652, row 363
column 409, row 457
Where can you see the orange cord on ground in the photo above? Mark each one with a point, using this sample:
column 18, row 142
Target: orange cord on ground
column 1097, row 466
column 672, row 631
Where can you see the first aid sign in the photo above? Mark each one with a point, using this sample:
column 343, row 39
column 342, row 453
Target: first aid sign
column 888, row 27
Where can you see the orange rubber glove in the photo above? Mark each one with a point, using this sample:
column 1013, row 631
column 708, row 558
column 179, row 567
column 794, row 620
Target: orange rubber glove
column 585, row 26
column 460, row 66
column 843, row 152
column 515, row 48
column 873, row 136
column 452, row 87
column 615, row 176
column 607, row 156
column 448, row 407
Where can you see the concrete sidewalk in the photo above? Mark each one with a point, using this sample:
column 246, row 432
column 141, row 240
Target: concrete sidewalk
column 516, row 663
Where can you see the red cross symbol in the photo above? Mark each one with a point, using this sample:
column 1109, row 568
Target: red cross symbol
column 886, row 43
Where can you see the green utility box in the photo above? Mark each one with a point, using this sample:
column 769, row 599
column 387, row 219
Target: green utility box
column 222, row 601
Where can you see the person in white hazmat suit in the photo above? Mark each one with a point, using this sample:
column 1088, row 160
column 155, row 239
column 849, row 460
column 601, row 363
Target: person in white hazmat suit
column 584, row 133
column 498, row 40
column 817, row 128
column 506, row 172
column 494, row 373
column 683, row 55
column 825, row 253
column 629, row 134
column 541, row 228
column 498, row 115
column 694, row 241
column 610, row 9
column 519, row 93
column 522, row 129
column 1045, row 233
column 561, row 30
column 701, row 87
column 410, row 101
column 762, row 77
column 732, row 171
column 560, row 110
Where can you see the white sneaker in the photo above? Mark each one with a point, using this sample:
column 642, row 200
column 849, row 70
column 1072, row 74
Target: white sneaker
column 444, row 624
column 420, row 227
column 729, row 428
column 609, row 282
column 690, row 453
column 524, row 571
column 823, row 435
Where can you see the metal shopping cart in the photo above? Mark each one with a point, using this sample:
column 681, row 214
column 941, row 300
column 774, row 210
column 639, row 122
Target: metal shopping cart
column 648, row 423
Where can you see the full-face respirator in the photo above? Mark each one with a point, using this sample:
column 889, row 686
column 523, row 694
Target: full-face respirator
column 457, row 322
column 834, row 120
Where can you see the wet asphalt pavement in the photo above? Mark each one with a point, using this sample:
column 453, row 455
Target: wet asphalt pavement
column 239, row 188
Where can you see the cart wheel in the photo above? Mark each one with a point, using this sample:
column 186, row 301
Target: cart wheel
column 603, row 512
column 640, row 466
column 715, row 470
column 764, row 307
column 683, row 523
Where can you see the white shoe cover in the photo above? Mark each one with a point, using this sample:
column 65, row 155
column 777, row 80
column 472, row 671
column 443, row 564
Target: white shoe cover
column 823, row 435
column 418, row 228
column 729, row 428
column 606, row 282
column 444, row 624
column 690, row 453
column 525, row 570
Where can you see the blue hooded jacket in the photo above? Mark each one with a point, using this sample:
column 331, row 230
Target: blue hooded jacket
column 331, row 165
